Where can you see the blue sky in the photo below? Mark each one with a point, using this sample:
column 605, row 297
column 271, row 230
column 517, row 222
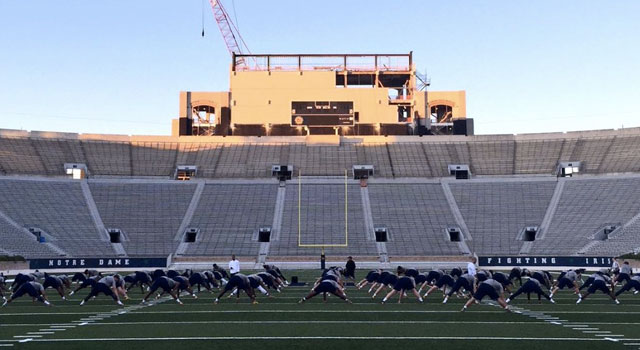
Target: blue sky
column 118, row 66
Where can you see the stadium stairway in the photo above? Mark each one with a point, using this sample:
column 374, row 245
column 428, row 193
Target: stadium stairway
column 368, row 219
column 118, row 249
column 453, row 205
column 193, row 205
column 551, row 209
column 276, row 225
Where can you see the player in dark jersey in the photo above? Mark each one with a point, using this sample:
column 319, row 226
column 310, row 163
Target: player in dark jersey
column 139, row 278
column 332, row 273
column 402, row 285
column 88, row 282
column 516, row 274
column 503, row 279
column 56, row 283
column 446, row 280
column 215, row 278
column 108, row 286
column 387, row 279
column 222, row 272
column 531, row 286
column 370, row 278
column 91, row 273
column 33, row 289
column 269, row 281
column 167, row 285
column 591, row 278
column 184, row 285
column 256, row 282
column 491, row 288
column 324, row 287
column 599, row 284
column 625, row 275
column 465, row 281
column 483, row 275
column 569, row 280
column 411, row 272
column 241, row 282
column 201, row 280
column 78, row 277
column 634, row 283
column 275, row 271
column 173, row 273
column 157, row 273
column 21, row 279
column 432, row 277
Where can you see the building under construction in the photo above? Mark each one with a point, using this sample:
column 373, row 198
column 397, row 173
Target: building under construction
column 323, row 94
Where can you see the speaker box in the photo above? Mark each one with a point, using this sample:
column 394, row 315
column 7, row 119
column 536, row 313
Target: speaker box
column 185, row 126
column 463, row 127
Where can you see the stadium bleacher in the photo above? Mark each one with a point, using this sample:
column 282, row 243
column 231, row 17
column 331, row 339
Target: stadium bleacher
column 411, row 194
column 40, row 153
column 587, row 205
column 58, row 208
column 495, row 212
column 229, row 216
column 416, row 217
column 322, row 222
column 148, row 214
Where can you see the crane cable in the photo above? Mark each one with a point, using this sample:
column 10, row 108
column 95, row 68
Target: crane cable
column 203, row 18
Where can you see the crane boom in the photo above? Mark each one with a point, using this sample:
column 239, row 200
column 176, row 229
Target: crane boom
column 229, row 31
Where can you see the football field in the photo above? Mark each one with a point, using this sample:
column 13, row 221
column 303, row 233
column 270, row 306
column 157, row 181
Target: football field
column 279, row 322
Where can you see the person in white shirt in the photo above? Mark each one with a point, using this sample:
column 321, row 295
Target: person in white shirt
column 615, row 268
column 471, row 267
column 234, row 265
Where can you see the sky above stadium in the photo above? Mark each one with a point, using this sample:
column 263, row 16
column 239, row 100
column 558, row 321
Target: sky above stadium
column 117, row 66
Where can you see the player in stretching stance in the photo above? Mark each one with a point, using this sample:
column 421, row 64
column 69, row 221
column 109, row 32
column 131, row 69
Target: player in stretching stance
column 569, row 280
column 599, row 283
column 34, row 289
column 465, row 281
column 241, row 282
column 108, row 286
column 388, row 279
column 531, row 286
column 56, row 283
column 446, row 280
column 634, row 282
column 404, row 284
column 491, row 288
column 168, row 285
column 324, row 287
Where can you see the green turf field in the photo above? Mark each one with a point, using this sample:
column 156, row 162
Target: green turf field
column 280, row 322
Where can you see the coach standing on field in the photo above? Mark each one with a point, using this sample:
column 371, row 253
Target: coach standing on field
column 350, row 269
column 234, row 265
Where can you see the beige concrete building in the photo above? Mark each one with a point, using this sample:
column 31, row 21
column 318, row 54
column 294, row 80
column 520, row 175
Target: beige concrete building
column 377, row 94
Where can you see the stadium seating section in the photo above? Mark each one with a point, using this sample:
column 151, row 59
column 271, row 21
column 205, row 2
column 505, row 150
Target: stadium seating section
column 412, row 196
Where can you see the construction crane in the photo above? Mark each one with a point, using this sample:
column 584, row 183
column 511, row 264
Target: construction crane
column 230, row 34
